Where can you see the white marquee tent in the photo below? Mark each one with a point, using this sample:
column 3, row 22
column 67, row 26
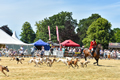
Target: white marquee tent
column 16, row 38
column 7, row 39
column 12, row 41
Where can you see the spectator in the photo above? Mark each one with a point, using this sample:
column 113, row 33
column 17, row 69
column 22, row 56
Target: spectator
column 108, row 54
column 101, row 53
column 82, row 49
column 117, row 54
column 37, row 53
column 22, row 48
column 51, row 50
column 21, row 53
column 70, row 50
column 63, row 49
column 42, row 51
column 10, row 52
column 26, row 52
column 74, row 50
column 105, row 53
column 6, row 51
column 32, row 51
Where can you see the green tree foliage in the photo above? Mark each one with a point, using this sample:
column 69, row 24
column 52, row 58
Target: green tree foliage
column 66, row 25
column 69, row 32
column 84, row 25
column 27, row 34
column 42, row 31
column 117, row 34
column 100, row 30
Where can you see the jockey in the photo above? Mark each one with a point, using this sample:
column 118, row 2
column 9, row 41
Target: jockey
column 93, row 45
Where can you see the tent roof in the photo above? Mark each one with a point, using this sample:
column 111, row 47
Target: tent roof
column 6, row 29
column 40, row 43
column 70, row 43
column 56, row 44
column 114, row 45
column 16, row 38
column 7, row 39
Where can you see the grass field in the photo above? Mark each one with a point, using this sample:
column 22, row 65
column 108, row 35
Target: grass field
column 108, row 70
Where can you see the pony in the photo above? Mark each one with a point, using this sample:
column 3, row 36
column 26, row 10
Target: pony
column 96, row 53
column 2, row 68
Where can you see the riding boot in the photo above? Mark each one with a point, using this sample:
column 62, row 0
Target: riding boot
column 92, row 52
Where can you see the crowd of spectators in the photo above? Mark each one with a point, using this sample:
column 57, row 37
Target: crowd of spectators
column 106, row 53
column 13, row 52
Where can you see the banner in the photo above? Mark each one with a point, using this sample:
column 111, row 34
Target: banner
column 57, row 33
column 49, row 32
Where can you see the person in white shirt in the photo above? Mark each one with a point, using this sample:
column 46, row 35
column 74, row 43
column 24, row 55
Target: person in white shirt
column 22, row 48
column 74, row 50
column 21, row 53
column 32, row 51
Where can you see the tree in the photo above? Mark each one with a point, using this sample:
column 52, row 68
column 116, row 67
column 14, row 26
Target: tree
column 116, row 34
column 69, row 32
column 41, row 32
column 66, row 24
column 27, row 34
column 100, row 30
column 84, row 25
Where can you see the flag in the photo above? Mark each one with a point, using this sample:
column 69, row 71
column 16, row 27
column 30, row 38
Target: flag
column 49, row 32
column 57, row 33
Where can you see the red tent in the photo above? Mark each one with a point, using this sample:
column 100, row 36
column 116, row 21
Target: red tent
column 69, row 43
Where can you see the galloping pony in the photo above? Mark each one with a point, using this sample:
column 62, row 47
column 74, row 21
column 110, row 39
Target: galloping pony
column 96, row 53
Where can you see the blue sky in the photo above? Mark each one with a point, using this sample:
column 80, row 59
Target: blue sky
column 15, row 12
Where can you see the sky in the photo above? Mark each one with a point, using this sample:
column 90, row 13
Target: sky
column 15, row 13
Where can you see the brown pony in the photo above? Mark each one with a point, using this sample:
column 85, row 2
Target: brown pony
column 96, row 54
